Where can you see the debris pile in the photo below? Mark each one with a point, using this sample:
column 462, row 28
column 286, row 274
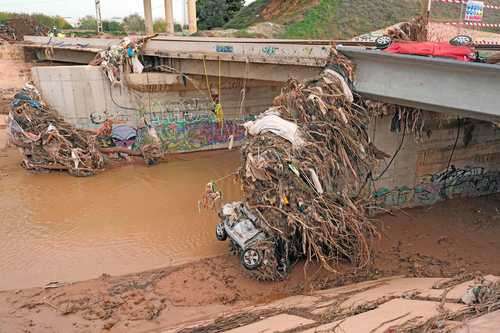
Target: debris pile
column 118, row 58
column 404, row 119
column 414, row 30
column 47, row 141
column 481, row 298
column 304, row 170
column 19, row 26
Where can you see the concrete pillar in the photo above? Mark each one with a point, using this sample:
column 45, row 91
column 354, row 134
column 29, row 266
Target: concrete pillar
column 169, row 17
column 148, row 17
column 193, row 24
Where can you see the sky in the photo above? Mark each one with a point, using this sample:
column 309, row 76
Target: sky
column 74, row 9
column 79, row 8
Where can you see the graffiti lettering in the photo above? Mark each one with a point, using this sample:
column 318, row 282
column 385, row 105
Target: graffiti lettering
column 269, row 50
column 453, row 183
column 224, row 49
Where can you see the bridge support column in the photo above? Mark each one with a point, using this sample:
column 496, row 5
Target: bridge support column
column 169, row 17
column 148, row 17
column 193, row 24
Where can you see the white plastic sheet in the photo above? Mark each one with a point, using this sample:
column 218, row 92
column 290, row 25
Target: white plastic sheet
column 269, row 121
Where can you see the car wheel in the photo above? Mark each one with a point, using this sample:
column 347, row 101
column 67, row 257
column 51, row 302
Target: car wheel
column 383, row 42
column 220, row 232
column 461, row 40
column 251, row 259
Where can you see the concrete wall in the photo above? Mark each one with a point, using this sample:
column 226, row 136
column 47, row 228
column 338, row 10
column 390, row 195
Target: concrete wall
column 182, row 116
column 420, row 174
column 180, row 110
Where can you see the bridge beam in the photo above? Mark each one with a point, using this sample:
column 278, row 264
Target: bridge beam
column 434, row 84
column 241, row 70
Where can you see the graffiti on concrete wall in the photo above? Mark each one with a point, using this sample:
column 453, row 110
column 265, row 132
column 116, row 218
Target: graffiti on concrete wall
column 189, row 124
column 224, row 49
column 195, row 132
column 182, row 125
column 269, row 50
column 448, row 184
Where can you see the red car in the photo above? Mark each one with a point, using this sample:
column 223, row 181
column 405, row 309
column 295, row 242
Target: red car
column 459, row 51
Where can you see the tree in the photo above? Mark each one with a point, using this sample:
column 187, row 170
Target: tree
column 159, row 25
column 88, row 23
column 51, row 21
column 134, row 23
column 216, row 13
column 111, row 26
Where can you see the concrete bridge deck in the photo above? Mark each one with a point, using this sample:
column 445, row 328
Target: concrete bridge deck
column 435, row 84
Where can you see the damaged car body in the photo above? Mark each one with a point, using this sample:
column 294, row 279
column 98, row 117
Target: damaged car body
column 264, row 257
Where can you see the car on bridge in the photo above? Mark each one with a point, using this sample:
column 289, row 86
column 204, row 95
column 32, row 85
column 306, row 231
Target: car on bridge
column 459, row 48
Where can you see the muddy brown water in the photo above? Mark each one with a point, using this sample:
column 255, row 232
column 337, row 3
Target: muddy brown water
column 54, row 227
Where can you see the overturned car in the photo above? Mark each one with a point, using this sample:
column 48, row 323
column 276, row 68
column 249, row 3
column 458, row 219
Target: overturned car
column 264, row 257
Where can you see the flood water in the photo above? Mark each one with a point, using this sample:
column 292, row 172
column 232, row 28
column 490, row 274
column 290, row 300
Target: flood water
column 54, row 227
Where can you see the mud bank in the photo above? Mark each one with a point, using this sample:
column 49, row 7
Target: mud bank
column 451, row 238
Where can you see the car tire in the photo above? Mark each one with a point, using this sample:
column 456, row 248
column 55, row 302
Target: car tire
column 461, row 40
column 383, row 42
column 251, row 259
column 220, row 232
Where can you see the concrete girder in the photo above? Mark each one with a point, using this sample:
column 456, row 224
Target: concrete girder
column 434, row 84
column 265, row 72
column 65, row 55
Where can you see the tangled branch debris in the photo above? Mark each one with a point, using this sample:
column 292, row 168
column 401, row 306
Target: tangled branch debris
column 304, row 165
column 47, row 141
column 51, row 144
column 414, row 30
column 16, row 28
column 481, row 298
column 118, row 58
column 403, row 118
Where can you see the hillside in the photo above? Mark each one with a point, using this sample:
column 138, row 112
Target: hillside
column 341, row 19
column 326, row 18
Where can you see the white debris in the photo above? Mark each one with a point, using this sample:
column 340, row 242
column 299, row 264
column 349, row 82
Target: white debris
column 269, row 121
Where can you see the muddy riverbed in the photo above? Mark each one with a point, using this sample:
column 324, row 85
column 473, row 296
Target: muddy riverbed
column 54, row 227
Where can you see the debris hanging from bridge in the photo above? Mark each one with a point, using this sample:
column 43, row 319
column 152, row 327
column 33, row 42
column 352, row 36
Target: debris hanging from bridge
column 47, row 141
column 304, row 168
column 118, row 59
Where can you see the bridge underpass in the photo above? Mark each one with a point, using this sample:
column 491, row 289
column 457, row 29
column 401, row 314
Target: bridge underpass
column 183, row 114
column 434, row 84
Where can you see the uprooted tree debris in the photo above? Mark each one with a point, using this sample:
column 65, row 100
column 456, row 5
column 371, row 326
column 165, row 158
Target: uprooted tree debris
column 16, row 28
column 304, row 169
column 49, row 143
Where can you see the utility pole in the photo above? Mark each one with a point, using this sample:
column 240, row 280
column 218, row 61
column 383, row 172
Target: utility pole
column 428, row 18
column 98, row 17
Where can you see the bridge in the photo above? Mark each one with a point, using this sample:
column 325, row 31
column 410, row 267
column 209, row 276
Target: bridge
column 435, row 84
